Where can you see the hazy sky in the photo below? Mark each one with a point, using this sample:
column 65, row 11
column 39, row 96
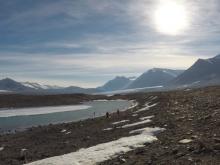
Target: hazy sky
column 87, row 42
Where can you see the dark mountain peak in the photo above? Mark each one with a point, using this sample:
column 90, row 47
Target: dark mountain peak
column 204, row 71
column 207, row 62
column 132, row 78
column 120, row 78
column 12, row 85
column 119, row 82
column 217, row 57
column 155, row 70
column 201, row 61
column 8, row 80
column 154, row 77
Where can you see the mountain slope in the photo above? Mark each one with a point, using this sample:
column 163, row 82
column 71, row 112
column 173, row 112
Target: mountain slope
column 11, row 85
column 202, row 72
column 116, row 84
column 154, row 77
column 39, row 86
column 71, row 90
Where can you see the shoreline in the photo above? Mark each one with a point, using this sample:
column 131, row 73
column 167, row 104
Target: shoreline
column 67, row 109
column 191, row 119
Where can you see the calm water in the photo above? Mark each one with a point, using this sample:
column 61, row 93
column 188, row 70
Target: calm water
column 24, row 119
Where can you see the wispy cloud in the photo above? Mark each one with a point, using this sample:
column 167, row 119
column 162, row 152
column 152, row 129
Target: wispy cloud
column 72, row 42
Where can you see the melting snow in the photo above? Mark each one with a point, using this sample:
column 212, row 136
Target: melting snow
column 1, row 148
column 135, row 124
column 153, row 97
column 64, row 130
column 68, row 133
column 135, row 115
column 184, row 141
column 23, row 150
column 119, row 122
column 147, row 130
column 41, row 110
column 102, row 152
column 147, row 107
column 147, row 117
column 107, row 129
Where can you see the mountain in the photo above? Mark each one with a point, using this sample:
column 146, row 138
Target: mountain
column 117, row 83
column 203, row 72
column 71, row 90
column 38, row 86
column 154, row 77
column 11, row 85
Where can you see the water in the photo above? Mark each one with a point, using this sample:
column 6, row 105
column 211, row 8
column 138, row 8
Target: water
column 29, row 117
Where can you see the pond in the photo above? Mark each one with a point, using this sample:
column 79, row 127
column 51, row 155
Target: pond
column 22, row 118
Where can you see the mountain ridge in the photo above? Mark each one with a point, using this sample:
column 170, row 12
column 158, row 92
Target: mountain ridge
column 203, row 72
column 154, row 77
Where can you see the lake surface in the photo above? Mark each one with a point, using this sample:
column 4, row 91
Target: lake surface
column 22, row 118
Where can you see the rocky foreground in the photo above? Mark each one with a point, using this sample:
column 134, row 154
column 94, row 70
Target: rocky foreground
column 191, row 119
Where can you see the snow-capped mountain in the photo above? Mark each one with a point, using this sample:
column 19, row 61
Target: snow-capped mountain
column 10, row 85
column 203, row 72
column 38, row 86
column 154, row 77
column 118, row 83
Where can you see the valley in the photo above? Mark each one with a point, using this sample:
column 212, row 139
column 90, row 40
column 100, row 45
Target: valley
column 189, row 122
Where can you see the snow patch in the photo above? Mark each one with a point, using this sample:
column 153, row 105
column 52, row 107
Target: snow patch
column 135, row 124
column 147, row 107
column 153, row 98
column 134, row 104
column 147, row 117
column 107, row 129
column 119, row 122
column 2, row 148
column 102, row 152
column 39, row 86
column 147, row 130
column 185, row 141
column 62, row 131
column 68, row 133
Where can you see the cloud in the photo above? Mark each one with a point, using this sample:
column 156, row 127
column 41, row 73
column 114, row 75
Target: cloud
column 94, row 40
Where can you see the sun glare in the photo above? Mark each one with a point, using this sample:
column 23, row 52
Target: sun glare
column 171, row 17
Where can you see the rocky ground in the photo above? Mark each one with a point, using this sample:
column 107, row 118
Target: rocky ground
column 189, row 115
column 19, row 100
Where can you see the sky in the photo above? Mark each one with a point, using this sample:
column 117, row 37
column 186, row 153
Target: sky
column 88, row 42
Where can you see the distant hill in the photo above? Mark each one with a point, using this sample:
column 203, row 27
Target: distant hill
column 71, row 90
column 8, row 84
column 203, row 72
column 38, row 86
column 154, row 77
column 117, row 83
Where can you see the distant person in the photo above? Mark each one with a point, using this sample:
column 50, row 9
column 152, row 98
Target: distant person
column 118, row 112
column 107, row 115
column 93, row 114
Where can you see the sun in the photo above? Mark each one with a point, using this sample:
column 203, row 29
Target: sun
column 171, row 17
